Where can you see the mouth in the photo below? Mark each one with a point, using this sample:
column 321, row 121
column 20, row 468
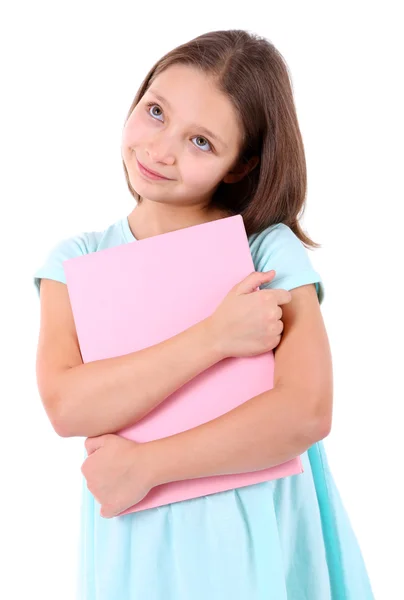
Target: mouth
column 150, row 174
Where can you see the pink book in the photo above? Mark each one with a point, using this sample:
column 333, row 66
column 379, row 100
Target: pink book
column 138, row 294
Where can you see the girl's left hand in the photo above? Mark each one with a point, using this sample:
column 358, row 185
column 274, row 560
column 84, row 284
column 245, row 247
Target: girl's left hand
column 116, row 472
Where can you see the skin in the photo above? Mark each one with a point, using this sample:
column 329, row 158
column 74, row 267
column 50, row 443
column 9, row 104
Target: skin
column 120, row 472
column 163, row 137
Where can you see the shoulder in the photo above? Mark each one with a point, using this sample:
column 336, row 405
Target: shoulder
column 274, row 239
column 279, row 248
column 75, row 245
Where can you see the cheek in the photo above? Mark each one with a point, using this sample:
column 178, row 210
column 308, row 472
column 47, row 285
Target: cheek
column 135, row 130
column 200, row 174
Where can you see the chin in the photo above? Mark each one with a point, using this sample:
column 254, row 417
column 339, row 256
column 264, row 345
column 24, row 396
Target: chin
column 148, row 190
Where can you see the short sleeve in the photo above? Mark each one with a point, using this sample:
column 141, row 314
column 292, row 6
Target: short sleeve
column 279, row 248
column 52, row 266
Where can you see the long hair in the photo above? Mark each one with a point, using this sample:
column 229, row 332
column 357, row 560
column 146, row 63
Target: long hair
column 255, row 77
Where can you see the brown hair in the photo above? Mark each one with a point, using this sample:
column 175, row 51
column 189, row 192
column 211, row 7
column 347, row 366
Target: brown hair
column 256, row 79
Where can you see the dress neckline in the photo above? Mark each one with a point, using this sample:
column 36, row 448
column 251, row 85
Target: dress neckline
column 127, row 232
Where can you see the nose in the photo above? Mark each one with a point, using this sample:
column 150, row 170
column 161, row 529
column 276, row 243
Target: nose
column 160, row 150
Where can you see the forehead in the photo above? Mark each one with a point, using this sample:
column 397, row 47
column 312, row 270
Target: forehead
column 193, row 99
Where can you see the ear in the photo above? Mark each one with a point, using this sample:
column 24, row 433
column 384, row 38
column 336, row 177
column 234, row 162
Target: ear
column 241, row 171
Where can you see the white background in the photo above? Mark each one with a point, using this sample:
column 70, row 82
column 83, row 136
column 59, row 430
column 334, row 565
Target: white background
column 69, row 73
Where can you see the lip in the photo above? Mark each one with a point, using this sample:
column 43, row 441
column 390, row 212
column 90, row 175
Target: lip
column 150, row 174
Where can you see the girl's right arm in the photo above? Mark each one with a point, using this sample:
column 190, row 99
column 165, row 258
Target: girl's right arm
column 104, row 396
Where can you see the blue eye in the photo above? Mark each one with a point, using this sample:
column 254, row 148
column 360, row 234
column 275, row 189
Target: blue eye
column 150, row 105
column 202, row 138
column 199, row 137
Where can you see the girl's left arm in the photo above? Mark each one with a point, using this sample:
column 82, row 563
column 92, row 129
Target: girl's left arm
column 270, row 428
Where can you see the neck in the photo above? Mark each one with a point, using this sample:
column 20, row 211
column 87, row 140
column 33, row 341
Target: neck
column 150, row 219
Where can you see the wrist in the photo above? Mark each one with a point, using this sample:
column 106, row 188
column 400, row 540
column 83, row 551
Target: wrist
column 156, row 463
column 212, row 339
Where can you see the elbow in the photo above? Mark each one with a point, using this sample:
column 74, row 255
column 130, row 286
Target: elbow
column 315, row 430
column 55, row 404
column 68, row 423
column 323, row 429
column 60, row 425
column 60, row 428
column 322, row 418
column 57, row 419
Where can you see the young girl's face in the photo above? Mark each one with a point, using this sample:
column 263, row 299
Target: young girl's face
column 186, row 130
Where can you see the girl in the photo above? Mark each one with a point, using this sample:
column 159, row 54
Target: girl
column 212, row 132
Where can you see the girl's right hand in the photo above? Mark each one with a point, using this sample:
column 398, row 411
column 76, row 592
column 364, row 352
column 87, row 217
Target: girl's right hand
column 248, row 320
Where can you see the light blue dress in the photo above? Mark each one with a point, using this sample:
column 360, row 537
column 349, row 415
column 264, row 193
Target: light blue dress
column 288, row 539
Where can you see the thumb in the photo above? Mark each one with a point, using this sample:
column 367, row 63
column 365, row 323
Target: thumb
column 254, row 280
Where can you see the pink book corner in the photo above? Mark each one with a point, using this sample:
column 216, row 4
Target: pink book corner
column 138, row 294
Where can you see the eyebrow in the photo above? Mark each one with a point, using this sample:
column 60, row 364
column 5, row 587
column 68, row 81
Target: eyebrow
column 200, row 127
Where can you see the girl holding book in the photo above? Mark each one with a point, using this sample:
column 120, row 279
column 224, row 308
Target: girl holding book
column 212, row 132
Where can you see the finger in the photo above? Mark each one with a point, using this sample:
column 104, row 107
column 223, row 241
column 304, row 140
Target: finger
column 281, row 296
column 254, row 280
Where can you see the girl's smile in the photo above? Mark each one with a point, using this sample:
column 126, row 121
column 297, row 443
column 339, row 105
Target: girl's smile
column 150, row 174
